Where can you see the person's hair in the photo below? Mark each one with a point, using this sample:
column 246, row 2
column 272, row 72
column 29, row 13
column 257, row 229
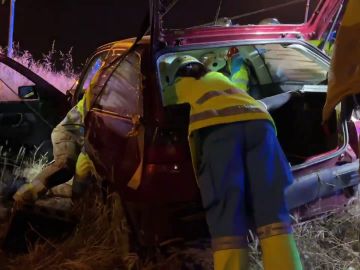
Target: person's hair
column 194, row 70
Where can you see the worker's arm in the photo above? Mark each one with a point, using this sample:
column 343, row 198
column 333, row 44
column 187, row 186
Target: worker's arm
column 169, row 95
column 239, row 74
column 67, row 139
column 180, row 91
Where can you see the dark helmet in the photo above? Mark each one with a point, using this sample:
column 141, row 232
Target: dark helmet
column 186, row 66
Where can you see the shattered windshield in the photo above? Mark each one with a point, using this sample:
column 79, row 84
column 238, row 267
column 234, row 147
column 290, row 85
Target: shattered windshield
column 210, row 12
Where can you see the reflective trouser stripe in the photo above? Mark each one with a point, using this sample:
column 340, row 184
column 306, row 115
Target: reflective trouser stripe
column 273, row 229
column 216, row 93
column 229, row 242
column 234, row 110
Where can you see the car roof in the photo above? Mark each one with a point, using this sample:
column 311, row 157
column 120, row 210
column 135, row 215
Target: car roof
column 323, row 17
column 123, row 44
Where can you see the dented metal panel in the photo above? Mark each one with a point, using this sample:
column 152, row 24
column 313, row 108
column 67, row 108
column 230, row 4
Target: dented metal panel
column 122, row 94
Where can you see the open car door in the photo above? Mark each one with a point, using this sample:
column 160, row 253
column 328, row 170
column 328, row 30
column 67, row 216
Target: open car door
column 29, row 106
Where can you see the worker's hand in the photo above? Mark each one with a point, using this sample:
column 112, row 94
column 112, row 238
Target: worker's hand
column 275, row 102
column 296, row 93
column 9, row 187
column 30, row 192
column 169, row 95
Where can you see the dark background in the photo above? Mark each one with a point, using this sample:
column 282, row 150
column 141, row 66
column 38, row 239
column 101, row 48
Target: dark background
column 87, row 24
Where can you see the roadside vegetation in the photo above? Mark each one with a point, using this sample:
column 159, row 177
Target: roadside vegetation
column 330, row 242
column 55, row 66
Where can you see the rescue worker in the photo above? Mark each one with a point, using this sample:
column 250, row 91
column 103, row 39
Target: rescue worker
column 236, row 70
column 241, row 170
column 328, row 46
column 69, row 158
column 344, row 74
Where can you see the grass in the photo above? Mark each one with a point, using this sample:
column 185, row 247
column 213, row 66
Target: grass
column 330, row 242
column 99, row 242
column 56, row 67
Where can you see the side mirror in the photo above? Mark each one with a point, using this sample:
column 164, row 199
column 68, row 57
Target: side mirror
column 27, row 92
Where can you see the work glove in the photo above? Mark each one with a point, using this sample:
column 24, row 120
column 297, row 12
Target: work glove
column 274, row 102
column 30, row 192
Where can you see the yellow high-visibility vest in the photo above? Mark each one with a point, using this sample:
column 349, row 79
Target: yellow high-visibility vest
column 241, row 78
column 344, row 74
column 213, row 99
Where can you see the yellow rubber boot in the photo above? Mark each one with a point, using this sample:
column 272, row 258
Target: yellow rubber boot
column 279, row 252
column 231, row 259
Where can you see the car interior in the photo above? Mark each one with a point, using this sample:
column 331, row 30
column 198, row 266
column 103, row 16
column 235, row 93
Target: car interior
column 275, row 69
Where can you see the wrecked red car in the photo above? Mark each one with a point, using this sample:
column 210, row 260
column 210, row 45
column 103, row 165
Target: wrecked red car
column 128, row 125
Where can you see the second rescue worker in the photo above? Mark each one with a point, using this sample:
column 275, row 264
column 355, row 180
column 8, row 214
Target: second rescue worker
column 70, row 158
column 241, row 169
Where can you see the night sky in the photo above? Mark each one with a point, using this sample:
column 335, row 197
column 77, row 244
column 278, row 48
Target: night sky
column 87, row 24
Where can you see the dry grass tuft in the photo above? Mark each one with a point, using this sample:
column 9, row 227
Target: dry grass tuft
column 331, row 242
column 100, row 241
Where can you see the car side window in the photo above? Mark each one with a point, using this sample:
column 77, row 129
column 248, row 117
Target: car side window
column 288, row 64
column 94, row 66
column 123, row 90
column 10, row 81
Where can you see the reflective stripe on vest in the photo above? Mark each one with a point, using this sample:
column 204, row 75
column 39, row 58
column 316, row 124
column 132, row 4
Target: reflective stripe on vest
column 241, row 78
column 216, row 93
column 229, row 111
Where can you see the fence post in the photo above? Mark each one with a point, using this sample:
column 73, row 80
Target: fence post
column 11, row 29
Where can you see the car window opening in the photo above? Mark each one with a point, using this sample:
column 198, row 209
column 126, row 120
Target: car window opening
column 274, row 69
column 10, row 80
